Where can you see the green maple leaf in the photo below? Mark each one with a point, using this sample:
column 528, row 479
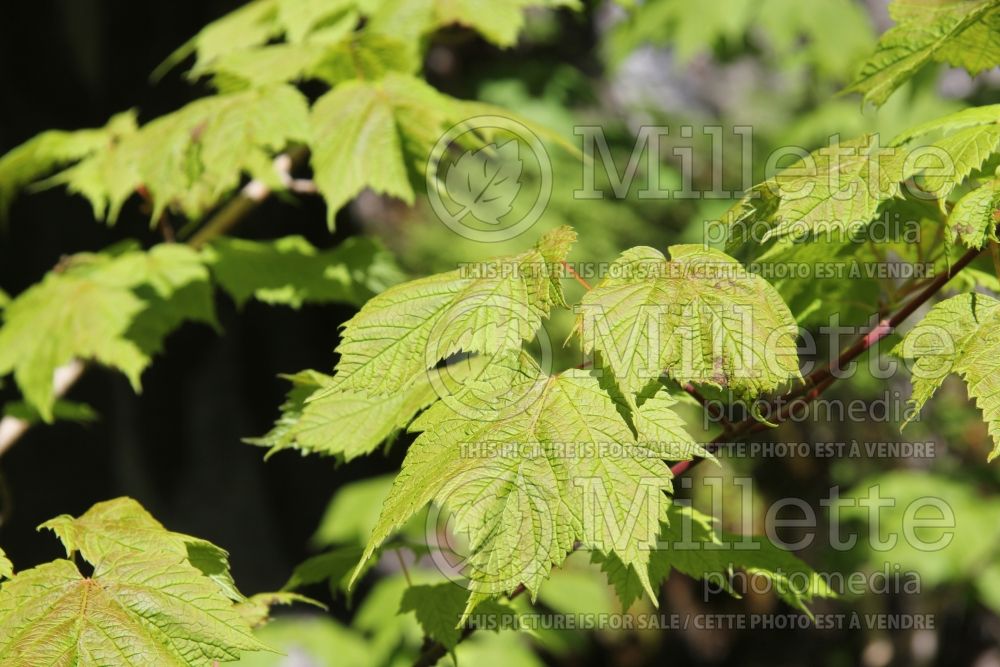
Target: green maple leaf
column 962, row 33
column 838, row 190
column 355, row 55
column 698, row 316
column 6, row 567
column 147, row 602
column 528, row 465
column 837, row 187
column 971, row 117
column 959, row 335
column 486, row 187
column 44, row 153
column 969, row 149
column 123, row 526
column 251, row 25
column 256, row 609
column 135, row 610
column 373, row 133
column 409, row 328
column 62, row 318
column 291, row 271
column 343, row 423
column 189, row 159
column 378, row 134
column 973, row 219
column 971, row 137
column 112, row 309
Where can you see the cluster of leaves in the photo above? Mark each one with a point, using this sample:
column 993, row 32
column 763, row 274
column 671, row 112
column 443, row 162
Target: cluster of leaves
column 116, row 307
column 520, row 512
column 154, row 597
column 935, row 177
column 840, row 187
column 373, row 129
column 689, row 543
column 524, row 510
column 90, row 308
column 940, row 168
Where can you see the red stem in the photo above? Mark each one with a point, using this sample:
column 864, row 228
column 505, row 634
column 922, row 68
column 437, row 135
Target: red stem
column 818, row 381
column 577, row 276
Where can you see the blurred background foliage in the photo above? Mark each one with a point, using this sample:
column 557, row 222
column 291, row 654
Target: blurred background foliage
column 772, row 65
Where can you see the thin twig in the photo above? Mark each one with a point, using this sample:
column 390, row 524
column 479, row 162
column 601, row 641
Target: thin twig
column 230, row 215
column 818, row 381
column 577, row 276
column 166, row 229
column 402, row 566
column 303, row 186
column 995, row 254
column 12, row 428
column 888, row 324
